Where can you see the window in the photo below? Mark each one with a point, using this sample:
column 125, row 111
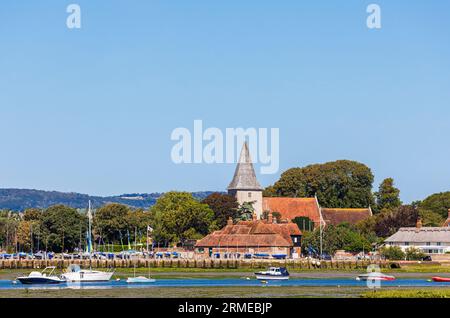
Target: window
column 428, row 243
column 438, row 243
column 249, row 194
column 406, row 243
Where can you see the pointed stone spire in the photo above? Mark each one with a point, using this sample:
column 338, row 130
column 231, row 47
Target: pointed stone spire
column 244, row 176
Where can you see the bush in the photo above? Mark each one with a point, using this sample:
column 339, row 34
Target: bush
column 414, row 254
column 392, row 253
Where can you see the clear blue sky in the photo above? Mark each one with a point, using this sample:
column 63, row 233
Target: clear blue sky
column 92, row 110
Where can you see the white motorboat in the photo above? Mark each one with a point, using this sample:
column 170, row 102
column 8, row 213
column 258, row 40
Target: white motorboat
column 274, row 273
column 76, row 274
column 44, row 277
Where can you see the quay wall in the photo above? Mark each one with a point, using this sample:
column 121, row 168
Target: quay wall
column 297, row 264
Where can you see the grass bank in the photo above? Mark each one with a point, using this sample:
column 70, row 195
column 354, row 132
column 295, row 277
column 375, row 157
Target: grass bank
column 409, row 293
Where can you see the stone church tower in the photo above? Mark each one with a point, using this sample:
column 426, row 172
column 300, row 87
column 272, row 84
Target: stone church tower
column 244, row 186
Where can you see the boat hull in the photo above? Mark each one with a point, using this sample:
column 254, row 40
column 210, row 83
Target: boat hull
column 441, row 279
column 40, row 280
column 270, row 277
column 88, row 276
column 375, row 278
column 140, row 280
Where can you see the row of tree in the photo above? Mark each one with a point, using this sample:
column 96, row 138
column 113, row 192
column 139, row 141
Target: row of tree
column 175, row 218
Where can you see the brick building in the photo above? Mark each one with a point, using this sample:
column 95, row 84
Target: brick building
column 263, row 237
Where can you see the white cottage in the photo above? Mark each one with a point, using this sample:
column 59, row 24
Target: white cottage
column 431, row 240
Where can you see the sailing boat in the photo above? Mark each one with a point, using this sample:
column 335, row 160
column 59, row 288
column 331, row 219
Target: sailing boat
column 140, row 279
column 76, row 274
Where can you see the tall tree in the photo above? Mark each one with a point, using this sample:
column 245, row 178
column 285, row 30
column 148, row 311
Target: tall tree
column 338, row 184
column 224, row 207
column 389, row 221
column 388, row 196
column 61, row 227
column 111, row 222
column 177, row 217
column 438, row 203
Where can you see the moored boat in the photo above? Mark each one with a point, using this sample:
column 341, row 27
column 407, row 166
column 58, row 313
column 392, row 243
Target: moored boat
column 42, row 277
column 140, row 280
column 76, row 274
column 375, row 276
column 274, row 273
column 441, row 279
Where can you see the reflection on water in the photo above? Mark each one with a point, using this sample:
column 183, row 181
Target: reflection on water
column 330, row 282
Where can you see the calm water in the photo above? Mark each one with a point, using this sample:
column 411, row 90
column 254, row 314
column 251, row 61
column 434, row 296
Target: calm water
column 7, row 284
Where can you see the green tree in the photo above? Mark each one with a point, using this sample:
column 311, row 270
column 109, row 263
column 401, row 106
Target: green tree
column 393, row 253
column 32, row 214
column 388, row 196
column 430, row 218
column 111, row 222
column 340, row 237
column 177, row 217
column 339, row 184
column 224, row 207
column 245, row 211
column 438, row 203
column 414, row 254
column 304, row 223
column 61, row 227
column 390, row 221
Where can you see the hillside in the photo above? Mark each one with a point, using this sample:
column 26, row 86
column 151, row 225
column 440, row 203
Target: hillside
column 21, row 199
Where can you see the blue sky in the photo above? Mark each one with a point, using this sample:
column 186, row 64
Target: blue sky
column 92, row 110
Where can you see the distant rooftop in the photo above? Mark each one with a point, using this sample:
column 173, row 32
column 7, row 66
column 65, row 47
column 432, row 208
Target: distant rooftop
column 421, row 235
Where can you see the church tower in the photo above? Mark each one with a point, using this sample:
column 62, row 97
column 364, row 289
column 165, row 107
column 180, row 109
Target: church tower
column 244, row 186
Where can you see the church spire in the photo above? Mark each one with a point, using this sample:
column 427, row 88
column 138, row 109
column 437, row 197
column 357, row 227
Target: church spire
column 244, row 176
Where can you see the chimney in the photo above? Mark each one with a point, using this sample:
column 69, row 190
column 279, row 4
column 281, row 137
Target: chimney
column 270, row 218
column 230, row 221
column 419, row 223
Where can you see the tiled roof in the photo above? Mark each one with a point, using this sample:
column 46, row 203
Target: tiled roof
column 337, row 216
column 421, row 235
column 252, row 234
column 244, row 176
column 290, row 208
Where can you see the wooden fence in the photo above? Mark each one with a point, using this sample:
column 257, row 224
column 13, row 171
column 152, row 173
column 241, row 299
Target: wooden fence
column 297, row 264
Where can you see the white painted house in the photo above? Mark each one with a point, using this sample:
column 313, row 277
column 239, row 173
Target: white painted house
column 431, row 240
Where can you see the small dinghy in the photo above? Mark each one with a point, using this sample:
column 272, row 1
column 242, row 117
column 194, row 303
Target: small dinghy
column 274, row 273
column 441, row 279
column 42, row 277
column 375, row 276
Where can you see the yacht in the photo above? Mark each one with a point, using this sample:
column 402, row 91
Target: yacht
column 75, row 274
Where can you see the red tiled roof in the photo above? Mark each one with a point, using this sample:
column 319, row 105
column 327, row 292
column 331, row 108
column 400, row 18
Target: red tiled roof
column 290, row 208
column 252, row 234
column 337, row 216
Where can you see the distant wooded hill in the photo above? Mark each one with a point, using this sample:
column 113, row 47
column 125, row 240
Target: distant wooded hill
column 21, row 199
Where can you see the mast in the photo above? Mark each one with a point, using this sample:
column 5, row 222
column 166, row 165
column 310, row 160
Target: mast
column 89, row 238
